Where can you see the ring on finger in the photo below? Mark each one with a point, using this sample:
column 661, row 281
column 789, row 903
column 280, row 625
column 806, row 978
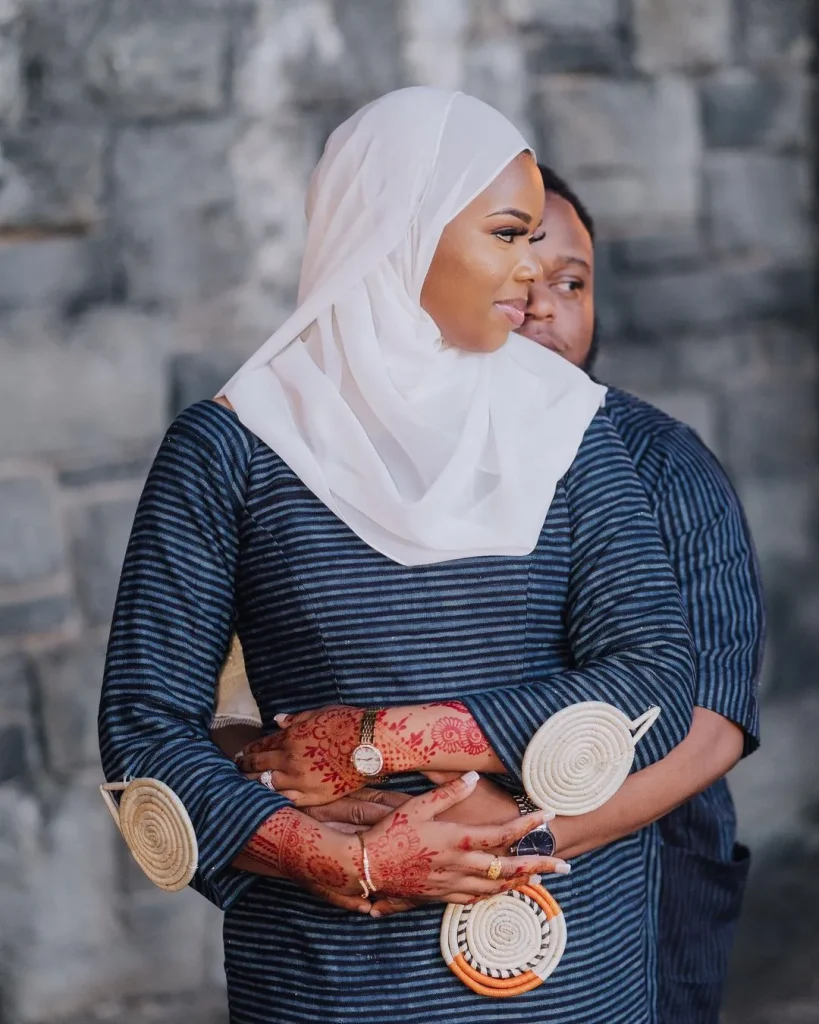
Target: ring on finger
column 266, row 779
column 493, row 872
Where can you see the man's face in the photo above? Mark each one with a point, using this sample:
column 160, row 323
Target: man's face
column 560, row 309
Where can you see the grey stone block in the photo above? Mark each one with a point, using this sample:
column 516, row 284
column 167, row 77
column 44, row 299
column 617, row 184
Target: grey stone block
column 759, row 202
column 181, row 237
column 578, row 16
column 741, row 108
column 69, row 682
column 31, row 534
column 61, row 272
column 681, row 247
column 597, row 51
column 78, row 953
column 92, row 385
column 85, row 473
column 697, row 409
column 11, row 93
column 53, row 177
column 632, row 147
column 782, row 516
column 16, row 680
column 99, row 536
column 776, row 33
column 154, row 61
column 707, row 298
column 670, row 35
column 372, row 34
column 15, row 758
column 37, row 615
column 195, row 377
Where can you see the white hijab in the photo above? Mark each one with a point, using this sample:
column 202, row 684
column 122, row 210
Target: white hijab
column 427, row 452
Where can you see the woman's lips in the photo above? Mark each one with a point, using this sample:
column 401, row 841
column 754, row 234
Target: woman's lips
column 516, row 312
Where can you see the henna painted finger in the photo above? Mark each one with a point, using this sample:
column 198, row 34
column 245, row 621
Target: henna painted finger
column 429, row 805
column 355, row 904
column 494, row 837
column 479, row 865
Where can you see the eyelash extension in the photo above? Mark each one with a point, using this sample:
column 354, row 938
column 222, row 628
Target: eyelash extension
column 515, row 232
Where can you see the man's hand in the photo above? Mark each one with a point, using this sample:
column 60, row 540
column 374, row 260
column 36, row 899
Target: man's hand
column 358, row 811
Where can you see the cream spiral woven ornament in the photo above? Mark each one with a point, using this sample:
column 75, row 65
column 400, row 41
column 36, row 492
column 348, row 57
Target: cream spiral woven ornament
column 580, row 757
column 506, row 944
column 157, row 829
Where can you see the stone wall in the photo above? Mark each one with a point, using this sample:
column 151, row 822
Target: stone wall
column 154, row 156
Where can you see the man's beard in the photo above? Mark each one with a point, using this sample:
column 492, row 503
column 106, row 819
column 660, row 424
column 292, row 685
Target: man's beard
column 594, row 349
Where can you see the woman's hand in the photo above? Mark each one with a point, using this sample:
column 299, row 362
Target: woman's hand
column 310, row 755
column 412, row 854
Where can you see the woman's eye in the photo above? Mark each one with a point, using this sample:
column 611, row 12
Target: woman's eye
column 509, row 234
column 537, row 238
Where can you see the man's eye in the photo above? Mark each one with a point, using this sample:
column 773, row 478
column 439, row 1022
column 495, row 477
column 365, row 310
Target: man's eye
column 567, row 287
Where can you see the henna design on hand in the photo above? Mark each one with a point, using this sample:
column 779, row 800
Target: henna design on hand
column 399, row 864
column 291, row 842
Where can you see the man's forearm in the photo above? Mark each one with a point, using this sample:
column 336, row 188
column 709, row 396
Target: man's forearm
column 712, row 748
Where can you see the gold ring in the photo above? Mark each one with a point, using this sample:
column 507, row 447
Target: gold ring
column 493, row 872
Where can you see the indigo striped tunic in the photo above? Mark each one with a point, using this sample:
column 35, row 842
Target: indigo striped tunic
column 711, row 552
column 226, row 535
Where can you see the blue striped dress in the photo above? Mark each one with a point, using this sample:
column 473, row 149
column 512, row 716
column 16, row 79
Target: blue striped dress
column 226, row 535
column 711, row 552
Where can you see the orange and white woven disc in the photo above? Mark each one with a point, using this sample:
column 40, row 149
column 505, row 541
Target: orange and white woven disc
column 506, row 944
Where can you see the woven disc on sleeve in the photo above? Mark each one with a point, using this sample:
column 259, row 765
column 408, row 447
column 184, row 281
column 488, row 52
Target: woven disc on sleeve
column 506, row 944
column 579, row 758
column 159, row 833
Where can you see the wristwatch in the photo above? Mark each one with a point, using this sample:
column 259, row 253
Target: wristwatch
column 367, row 758
column 540, row 842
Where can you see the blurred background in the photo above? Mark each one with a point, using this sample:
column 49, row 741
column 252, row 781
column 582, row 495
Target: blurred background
column 154, row 158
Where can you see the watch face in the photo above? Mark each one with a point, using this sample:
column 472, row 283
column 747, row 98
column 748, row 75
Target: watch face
column 367, row 759
column 538, row 843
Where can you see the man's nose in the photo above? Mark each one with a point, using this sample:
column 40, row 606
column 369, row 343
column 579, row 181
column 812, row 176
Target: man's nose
column 540, row 303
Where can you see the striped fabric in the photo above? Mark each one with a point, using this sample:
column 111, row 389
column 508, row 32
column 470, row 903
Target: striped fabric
column 704, row 531
column 223, row 524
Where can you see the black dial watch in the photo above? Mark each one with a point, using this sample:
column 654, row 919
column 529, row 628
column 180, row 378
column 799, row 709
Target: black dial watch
column 540, row 842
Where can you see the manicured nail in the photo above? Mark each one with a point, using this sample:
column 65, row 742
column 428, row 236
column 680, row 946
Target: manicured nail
column 470, row 778
column 375, row 913
column 280, row 719
column 562, row 868
column 365, row 910
column 535, row 879
column 548, row 815
column 238, row 757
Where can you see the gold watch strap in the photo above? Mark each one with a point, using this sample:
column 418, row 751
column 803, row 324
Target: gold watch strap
column 368, row 725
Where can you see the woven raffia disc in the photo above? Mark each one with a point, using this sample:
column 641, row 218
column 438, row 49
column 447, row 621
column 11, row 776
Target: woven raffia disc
column 580, row 757
column 506, row 944
column 159, row 833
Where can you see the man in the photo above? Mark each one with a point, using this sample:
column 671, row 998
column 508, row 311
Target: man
column 711, row 552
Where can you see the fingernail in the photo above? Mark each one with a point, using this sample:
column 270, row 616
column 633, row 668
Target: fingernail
column 375, row 913
column 238, row 757
column 367, row 911
column 535, row 879
column 562, row 868
column 548, row 815
column 278, row 719
column 470, row 778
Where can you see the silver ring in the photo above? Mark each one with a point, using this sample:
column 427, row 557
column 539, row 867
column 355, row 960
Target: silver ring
column 266, row 779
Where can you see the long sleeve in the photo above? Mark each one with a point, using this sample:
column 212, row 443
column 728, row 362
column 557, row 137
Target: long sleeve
column 712, row 554
column 171, row 628
column 629, row 640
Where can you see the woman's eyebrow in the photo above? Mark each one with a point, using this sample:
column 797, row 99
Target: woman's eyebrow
column 510, row 211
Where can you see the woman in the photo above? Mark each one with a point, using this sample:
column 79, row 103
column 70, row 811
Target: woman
column 399, row 507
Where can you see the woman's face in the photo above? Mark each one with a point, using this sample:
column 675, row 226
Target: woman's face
column 479, row 278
